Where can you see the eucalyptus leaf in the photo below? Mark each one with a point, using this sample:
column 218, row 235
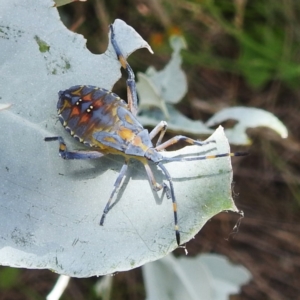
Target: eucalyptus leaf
column 156, row 88
column 149, row 97
column 206, row 276
column 246, row 117
column 176, row 123
column 50, row 208
column 171, row 75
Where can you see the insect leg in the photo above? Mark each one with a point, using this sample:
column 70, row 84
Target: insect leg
column 169, row 178
column 74, row 154
column 161, row 128
column 178, row 138
column 155, row 186
column 205, row 156
column 131, row 87
column 116, row 186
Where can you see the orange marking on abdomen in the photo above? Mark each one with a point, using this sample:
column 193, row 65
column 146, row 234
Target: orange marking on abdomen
column 87, row 97
column 75, row 111
column 84, row 118
column 98, row 103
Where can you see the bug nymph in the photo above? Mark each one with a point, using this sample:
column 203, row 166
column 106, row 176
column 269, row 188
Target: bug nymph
column 107, row 124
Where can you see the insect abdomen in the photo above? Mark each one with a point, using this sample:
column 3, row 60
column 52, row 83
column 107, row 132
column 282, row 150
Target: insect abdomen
column 85, row 109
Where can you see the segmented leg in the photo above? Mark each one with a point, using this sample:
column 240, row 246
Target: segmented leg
column 155, row 186
column 132, row 104
column 116, row 186
column 183, row 138
column 72, row 154
column 131, row 87
column 161, row 128
column 169, row 178
column 206, row 156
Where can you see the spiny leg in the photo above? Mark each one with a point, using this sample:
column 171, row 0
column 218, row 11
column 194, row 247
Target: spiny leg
column 169, row 178
column 131, row 87
column 72, row 154
column 116, row 186
column 230, row 154
column 171, row 189
column 177, row 138
column 155, row 186
column 161, row 128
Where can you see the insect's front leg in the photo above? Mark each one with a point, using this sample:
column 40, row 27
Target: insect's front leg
column 161, row 128
column 131, row 86
column 65, row 154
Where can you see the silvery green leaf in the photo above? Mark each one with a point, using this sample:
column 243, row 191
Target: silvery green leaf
column 149, row 97
column 247, row 117
column 156, row 88
column 50, row 208
column 171, row 82
column 177, row 122
column 204, row 277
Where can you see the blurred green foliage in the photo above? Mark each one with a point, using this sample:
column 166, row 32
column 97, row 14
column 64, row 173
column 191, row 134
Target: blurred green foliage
column 8, row 277
column 258, row 40
column 266, row 36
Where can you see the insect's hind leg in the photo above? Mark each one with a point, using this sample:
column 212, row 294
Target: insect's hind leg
column 131, row 86
column 116, row 186
column 169, row 190
column 65, row 154
column 172, row 195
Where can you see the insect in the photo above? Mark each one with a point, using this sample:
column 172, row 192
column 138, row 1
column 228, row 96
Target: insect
column 106, row 124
